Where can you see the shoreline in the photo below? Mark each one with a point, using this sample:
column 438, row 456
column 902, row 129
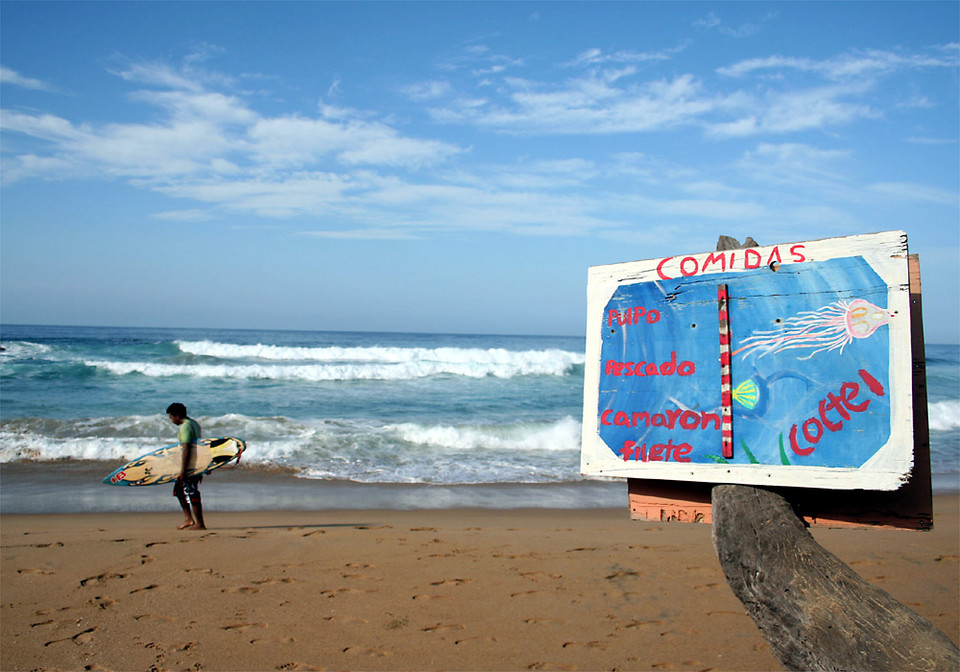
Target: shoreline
column 431, row 589
column 75, row 487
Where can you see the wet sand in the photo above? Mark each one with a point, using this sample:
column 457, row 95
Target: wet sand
column 462, row 589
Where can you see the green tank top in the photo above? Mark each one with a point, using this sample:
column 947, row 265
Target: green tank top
column 189, row 431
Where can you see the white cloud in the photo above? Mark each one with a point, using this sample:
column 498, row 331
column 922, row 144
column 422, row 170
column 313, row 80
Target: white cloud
column 794, row 111
column 594, row 105
column 712, row 22
column 595, row 56
column 8, row 76
column 192, row 215
column 908, row 191
column 844, row 67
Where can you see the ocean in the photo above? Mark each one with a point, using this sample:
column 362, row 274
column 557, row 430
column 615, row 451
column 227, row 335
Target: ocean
column 332, row 420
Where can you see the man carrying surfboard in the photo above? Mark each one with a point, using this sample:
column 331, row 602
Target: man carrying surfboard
column 187, row 488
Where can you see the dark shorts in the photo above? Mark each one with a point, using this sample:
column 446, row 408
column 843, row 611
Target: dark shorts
column 188, row 488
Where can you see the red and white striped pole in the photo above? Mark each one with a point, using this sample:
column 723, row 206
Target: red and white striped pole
column 726, row 389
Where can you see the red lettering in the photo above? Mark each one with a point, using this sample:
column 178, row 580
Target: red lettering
column 631, row 316
column 685, row 368
column 656, row 453
column 681, row 452
column 712, row 259
column 672, row 416
column 660, row 269
column 747, row 255
column 837, row 405
column 689, row 420
column 629, row 450
column 668, row 368
column 710, row 417
column 847, row 393
column 683, row 270
column 832, row 426
column 844, row 404
column 797, row 252
column 871, row 382
column 793, row 443
column 774, row 257
column 812, row 437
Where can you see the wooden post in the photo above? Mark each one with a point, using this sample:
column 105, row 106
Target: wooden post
column 814, row 611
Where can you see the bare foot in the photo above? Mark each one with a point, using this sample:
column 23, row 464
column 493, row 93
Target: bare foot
column 187, row 524
column 196, row 526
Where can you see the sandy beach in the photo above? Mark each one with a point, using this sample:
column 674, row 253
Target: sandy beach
column 464, row 589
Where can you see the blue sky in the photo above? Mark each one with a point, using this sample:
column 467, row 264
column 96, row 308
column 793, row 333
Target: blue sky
column 453, row 167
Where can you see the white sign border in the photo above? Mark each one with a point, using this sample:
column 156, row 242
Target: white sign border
column 888, row 469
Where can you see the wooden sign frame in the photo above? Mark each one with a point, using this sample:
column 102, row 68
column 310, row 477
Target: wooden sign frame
column 910, row 507
column 655, row 405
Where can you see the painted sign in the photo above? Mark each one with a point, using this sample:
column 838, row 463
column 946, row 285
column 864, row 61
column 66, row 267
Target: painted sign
column 786, row 365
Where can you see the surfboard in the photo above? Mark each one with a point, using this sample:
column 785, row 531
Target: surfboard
column 163, row 465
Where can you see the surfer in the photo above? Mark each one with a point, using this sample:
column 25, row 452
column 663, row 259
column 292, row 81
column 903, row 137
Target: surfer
column 187, row 488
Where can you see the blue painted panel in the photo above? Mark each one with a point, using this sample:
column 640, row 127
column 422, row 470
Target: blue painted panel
column 810, row 367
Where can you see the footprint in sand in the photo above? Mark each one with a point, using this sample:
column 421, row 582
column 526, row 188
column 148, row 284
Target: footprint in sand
column 333, row 592
column 525, row 592
column 263, row 582
column 84, row 637
column 430, row 597
column 536, row 576
column 102, row 578
column 363, row 651
column 621, row 574
column 33, row 570
column 166, row 619
column 476, row 640
column 243, row 626
column 345, row 619
column 152, row 586
column 644, row 625
column 726, row 613
column 443, row 626
column 549, row 666
column 241, row 589
column 589, row 645
column 361, row 577
column 450, row 582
